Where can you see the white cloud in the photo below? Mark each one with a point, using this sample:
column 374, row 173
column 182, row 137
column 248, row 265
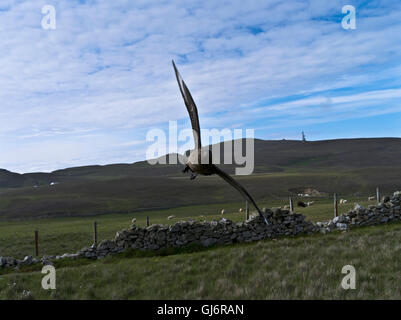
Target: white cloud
column 104, row 75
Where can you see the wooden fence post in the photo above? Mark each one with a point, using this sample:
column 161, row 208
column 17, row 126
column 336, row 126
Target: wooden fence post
column 95, row 233
column 36, row 243
column 335, row 206
column 291, row 205
column 147, row 221
column 378, row 195
column 247, row 210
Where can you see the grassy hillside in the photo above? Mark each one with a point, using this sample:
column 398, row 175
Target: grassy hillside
column 128, row 195
column 282, row 168
column 62, row 235
column 305, row 267
column 346, row 153
column 270, row 156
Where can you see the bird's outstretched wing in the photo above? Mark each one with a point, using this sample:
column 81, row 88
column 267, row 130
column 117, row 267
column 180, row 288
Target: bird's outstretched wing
column 191, row 107
column 240, row 188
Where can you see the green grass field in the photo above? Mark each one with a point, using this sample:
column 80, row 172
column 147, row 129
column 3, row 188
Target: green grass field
column 120, row 195
column 67, row 235
column 302, row 267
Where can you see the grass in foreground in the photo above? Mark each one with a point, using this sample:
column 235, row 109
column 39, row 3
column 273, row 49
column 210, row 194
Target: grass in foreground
column 304, row 267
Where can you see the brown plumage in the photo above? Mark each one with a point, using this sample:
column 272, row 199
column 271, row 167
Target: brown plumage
column 200, row 161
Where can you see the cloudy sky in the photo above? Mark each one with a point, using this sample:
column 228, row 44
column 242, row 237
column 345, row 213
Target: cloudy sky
column 89, row 91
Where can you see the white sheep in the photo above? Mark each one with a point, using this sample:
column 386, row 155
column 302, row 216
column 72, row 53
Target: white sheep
column 343, row 201
column 240, row 210
column 371, row 198
column 170, row 217
column 310, row 203
column 223, row 211
column 133, row 221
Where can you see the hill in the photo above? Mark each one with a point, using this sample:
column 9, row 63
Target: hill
column 270, row 156
column 282, row 168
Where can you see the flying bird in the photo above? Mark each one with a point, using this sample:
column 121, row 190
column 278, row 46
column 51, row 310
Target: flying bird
column 200, row 161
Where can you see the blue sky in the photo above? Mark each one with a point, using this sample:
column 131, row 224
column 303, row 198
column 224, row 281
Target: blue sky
column 88, row 92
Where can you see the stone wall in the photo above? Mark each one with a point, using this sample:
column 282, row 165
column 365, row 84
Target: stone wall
column 282, row 223
column 387, row 210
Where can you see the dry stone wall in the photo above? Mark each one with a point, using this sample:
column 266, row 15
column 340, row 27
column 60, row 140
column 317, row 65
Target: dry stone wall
column 387, row 210
column 282, row 223
column 184, row 233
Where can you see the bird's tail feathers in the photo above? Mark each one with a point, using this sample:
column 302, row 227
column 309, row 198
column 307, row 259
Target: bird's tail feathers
column 240, row 188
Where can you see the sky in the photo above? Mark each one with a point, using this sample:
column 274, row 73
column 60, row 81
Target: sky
column 89, row 91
